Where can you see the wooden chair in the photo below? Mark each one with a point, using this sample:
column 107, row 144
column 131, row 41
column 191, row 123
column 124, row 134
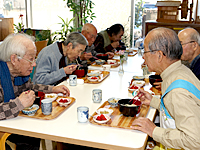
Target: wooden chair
column 3, row 139
column 40, row 45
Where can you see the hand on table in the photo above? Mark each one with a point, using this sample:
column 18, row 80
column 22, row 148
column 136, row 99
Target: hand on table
column 110, row 55
column 27, row 98
column 143, row 124
column 69, row 69
column 146, row 98
column 61, row 89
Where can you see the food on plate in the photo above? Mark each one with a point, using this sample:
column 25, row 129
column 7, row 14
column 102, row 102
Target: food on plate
column 62, row 100
column 50, row 96
column 101, row 118
column 94, row 78
column 104, row 112
column 114, row 100
column 134, row 87
column 129, row 105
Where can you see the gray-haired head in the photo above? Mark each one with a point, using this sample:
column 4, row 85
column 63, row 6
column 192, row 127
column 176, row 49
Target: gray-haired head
column 167, row 41
column 75, row 38
column 193, row 34
column 14, row 44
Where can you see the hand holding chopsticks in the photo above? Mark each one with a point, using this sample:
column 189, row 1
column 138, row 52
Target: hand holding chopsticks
column 136, row 98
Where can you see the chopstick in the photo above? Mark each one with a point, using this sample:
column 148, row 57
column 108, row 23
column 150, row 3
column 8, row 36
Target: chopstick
column 137, row 96
column 95, row 57
column 77, row 63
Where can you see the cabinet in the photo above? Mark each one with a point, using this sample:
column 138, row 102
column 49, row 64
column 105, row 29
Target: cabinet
column 6, row 27
column 149, row 25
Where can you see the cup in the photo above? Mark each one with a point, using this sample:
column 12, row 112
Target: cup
column 46, row 105
column 106, row 67
column 72, row 80
column 82, row 114
column 97, row 95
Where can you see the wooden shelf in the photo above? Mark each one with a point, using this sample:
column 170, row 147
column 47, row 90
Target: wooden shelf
column 6, row 27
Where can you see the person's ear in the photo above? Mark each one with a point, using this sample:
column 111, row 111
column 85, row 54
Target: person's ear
column 195, row 46
column 13, row 59
column 160, row 55
column 70, row 46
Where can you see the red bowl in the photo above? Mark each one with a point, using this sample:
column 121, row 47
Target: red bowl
column 80, row 73
column 102, row 56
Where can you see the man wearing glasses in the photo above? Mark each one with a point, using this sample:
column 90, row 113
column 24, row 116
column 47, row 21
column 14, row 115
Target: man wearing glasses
column 179, row 106
column 190, row 41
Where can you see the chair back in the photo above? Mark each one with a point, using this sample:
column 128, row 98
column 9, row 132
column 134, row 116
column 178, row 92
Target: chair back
column 40, row 45
column 3, row 137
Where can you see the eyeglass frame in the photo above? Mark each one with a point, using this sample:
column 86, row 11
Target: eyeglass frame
column 187, row 42
column 143, row 52
column 32, row 62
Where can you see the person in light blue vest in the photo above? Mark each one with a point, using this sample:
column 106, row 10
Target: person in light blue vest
column 179, row 105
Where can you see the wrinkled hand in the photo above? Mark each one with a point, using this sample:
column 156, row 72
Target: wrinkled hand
column 157, row 85
column 110, row 55
column 69, row 69
column 146, row 98
column 61, row 89
column 143, row 124
column 115, row 44
column 27, row 98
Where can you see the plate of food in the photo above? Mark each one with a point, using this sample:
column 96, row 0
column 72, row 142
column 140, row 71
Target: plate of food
column 102, row 118
column 111, row 62
column 93, row 74
column 30, row 111
column 113, row 101
column 63, row 101
column 138, row 77
column 105, row 111
column 51, row 96
column 93, row 78
column 136, row 85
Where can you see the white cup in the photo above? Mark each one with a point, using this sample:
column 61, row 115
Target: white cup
column 106, row 67
column 72, row 80
column 46, row 105
column 82, row 114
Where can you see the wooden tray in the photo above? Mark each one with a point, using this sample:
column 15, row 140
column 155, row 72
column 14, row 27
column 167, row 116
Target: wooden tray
column 117, row 119
column 112, row 66
column 56, row 110
column 131, row 54
column 103, row 75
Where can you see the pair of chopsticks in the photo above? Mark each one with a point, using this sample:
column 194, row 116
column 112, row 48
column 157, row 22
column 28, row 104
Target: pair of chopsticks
column 78, row 64
column 137, row 96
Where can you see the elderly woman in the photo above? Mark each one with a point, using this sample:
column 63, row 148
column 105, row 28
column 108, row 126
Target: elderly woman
column 17, row 59
column 53, row 62
column 108, row 40
column 179, row 105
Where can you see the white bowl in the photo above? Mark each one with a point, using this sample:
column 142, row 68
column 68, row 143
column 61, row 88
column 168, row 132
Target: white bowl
column 91, row 78
column 138, row 77
column 93, row 74
column 111, row 61
column 113, row 101
column 103, row 121
column 64, row 104
column 138, row 83
column 104, row 111
column 31, row 111
column 51, row 96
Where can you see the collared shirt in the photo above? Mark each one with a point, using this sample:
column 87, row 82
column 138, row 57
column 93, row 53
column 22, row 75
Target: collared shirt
column 183, row 107
column 195, row 66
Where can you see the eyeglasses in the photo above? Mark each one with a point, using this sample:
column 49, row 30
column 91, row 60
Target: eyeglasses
column 143, row 52
column 91, row 35
column 32, row 62
column 188, row 42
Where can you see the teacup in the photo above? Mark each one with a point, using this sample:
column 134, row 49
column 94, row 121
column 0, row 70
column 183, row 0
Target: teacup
column 106, row 67
column 46, row 105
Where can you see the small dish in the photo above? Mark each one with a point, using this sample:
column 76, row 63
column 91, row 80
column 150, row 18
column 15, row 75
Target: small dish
column 113, row 101
column 32, row 111
column 51, row 96
column 111, row 61
column 100, row 62
column 138, row 77
column 102, row 117
column 93, row 74
column 104, row 111
column 93, row 78
column 136, row 85
column 63, row 101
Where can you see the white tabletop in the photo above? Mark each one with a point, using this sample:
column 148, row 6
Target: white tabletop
column 66, row 128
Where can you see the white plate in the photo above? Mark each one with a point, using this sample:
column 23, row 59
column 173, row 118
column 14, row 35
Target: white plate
column 105, row 111
column 93, row 74
column 138, row 77
column 63, row 104
column 51, row 96
column 90, row 79
column 104, row 121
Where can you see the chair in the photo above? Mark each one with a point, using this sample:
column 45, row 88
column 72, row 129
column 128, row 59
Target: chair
column 40, row 45
column 3, row 139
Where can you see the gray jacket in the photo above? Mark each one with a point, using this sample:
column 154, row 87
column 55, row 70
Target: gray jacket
column 47, row 70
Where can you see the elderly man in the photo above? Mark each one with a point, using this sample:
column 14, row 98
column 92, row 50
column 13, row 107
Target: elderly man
column 53, row 62
column 179, row 105
column 17, row 59
column 190, row 41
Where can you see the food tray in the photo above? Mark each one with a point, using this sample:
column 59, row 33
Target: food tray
column 131, row 54
column 117, row 119
column 56, row 110
column 103, row 75
column 112, row 66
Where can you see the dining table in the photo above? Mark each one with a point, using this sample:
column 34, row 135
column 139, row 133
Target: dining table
column 66, row 128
